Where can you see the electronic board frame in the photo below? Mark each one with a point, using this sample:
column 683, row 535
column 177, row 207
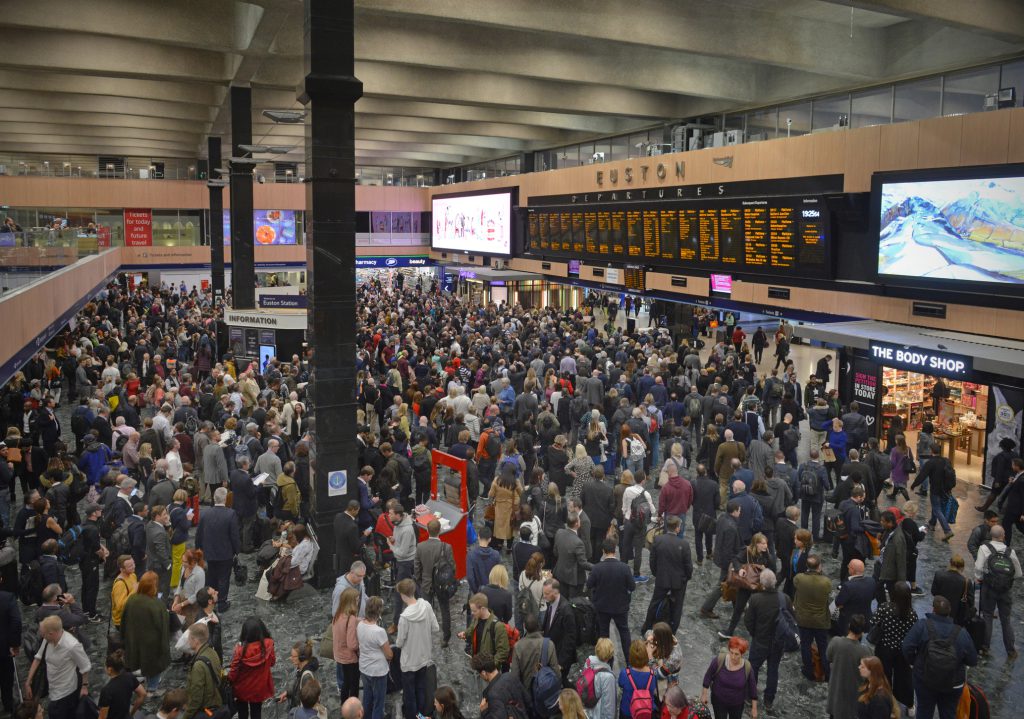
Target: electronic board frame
column 633, row 224
column 514, row 243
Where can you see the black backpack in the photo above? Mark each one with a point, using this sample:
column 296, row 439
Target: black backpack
column 810, row 485
column 69, row 546
column 31, row 590
column 526, row 603
column 999, row 569
column 640, row 511
column 942, row 666
column 493, row 446
column 444, row 581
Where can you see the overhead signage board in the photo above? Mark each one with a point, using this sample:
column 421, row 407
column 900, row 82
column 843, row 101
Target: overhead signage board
column 925, row 361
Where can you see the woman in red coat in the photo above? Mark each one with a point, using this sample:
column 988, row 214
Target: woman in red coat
column 249, row 673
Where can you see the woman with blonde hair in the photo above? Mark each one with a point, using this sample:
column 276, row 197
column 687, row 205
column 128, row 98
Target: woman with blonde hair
column 580, row 468
column 193, row 578
column 571, row 706
column 499, row 596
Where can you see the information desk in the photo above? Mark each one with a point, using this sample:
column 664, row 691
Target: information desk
column 456, row 534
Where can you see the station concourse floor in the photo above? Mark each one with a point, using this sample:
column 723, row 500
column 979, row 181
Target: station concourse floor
column 797, row 698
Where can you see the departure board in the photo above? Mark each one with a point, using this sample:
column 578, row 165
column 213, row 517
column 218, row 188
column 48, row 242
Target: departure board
column 578, row 238
column 771, row 235
column 635, row 279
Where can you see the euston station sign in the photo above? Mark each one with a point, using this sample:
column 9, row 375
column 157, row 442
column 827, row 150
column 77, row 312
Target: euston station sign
column 917, row 359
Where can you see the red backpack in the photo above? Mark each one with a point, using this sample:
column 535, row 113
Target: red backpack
column 641, row 704
column 585, row 684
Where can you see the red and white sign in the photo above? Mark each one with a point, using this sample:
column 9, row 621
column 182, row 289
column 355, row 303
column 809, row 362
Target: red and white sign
column 103, row 237
column 138, row 228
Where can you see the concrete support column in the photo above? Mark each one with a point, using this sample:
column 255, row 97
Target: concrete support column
column 216, row 222
column 243, row 254
column 330, row 91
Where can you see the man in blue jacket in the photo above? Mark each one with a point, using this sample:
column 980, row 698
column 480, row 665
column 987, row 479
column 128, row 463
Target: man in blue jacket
column 751, row 518
column 939, row 671
column 611, row 585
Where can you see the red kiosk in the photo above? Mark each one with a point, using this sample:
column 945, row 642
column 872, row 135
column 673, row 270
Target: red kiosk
column 441, row 507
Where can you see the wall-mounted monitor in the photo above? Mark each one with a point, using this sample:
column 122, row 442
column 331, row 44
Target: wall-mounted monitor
column 269, row 227
column 959, row 228
column 474, row 222
column 721, row 284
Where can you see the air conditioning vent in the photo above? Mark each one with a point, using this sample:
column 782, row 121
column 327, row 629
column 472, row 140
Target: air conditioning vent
column 932, row 310
column 679, row 282
column 778, row 293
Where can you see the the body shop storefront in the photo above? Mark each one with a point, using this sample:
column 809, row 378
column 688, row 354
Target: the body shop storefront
column 970, row 389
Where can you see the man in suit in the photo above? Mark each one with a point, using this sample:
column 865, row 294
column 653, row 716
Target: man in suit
column 104, row 430
column 855, row 596
column 727, row 546
column 215, row 466
column 347, row 537
column 705, row 503
column 218, row 537
column 599, row 505
column 158, row 549
column 611, row 585
column 672, row 568
column 10, row 645
column 570, row 557
column 245, row 501
column 575, row 505
column 560, row 626
column 785, row 534
column 49, row 427
column 430, row 555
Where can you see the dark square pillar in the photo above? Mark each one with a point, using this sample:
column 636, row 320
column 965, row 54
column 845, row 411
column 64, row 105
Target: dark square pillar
column 216, row 222
column 243, row 253
column 330, row 91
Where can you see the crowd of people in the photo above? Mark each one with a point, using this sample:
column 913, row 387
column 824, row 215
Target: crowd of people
column 593, row 454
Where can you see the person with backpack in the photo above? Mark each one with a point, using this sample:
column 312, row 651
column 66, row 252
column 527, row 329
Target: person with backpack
column 730, row 682
column 639, row 685
column 769, row 616
column 504, row 697
column 637, row 512
column 938, row 479
column 485, row 634
column 596, row 683
column 203, row 682
column 535, row 654
column 93, row 554
column 672, row 568
column 940, row 652
column 996, row 568
column 434, row 572
column 812, row 479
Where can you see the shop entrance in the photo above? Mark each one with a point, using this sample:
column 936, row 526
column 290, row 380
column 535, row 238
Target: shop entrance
column 958, row 415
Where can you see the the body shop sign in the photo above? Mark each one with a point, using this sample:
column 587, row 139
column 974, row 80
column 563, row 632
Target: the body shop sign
column 138, row 228
column 925, row 361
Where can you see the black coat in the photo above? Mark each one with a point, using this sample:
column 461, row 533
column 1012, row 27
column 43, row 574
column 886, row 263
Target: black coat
column 785, row 541
column 499, row 601
column 727, row 540
column 706, row 497
column 611, row 584
column 761, row 616
column 952, row 585
column 563, row 632
column 505, row 690
column 855, row 598
column 245, row 502
column 10, row 621
column 217, row 534
column 52, row 572
column 598, row 503
column 347, row 541
column 670, row 560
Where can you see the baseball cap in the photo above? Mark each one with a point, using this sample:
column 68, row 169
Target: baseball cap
column 91, row 507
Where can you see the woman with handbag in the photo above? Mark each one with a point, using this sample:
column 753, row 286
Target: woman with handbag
column 249, row 672
column 345, row 644
column 666, row 657
column 193, row 578
column 744, row 576
column 901, row 460
column 892, row 622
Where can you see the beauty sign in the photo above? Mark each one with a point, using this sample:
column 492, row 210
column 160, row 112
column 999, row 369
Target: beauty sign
column 916, row 359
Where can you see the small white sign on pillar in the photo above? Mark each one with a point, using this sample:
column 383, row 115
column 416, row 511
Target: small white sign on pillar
column 337, row 483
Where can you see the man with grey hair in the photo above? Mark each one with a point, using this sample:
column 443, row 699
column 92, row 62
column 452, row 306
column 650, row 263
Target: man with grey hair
column 215, row 466
column 218, row 537
column 269, row 462
column 760, row 619
column 354, row 578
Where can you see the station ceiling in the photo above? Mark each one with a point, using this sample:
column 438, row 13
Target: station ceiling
column 449, row 82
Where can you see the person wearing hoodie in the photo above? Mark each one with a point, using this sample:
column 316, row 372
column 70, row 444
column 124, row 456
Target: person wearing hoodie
column 676, row 497
column 403, row 544
column 94, row 459
column 249, row 672
column 416, row 626
column 289, row 502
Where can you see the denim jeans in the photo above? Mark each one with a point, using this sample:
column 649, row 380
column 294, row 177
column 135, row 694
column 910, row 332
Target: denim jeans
column 937, row 513
column 375, row 692
column 414, row 693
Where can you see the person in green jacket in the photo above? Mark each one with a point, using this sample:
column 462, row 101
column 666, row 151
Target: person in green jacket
column 145, row 631
column 202, row 685
column 810, row 609
column 485, row 633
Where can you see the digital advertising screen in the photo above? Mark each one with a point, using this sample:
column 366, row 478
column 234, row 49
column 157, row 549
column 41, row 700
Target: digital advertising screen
column 967, row 229
column 481, row 223
column 721, row 284
column 269, row 227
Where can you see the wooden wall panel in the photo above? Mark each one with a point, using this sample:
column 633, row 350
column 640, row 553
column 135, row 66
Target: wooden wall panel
column 745, row 164
column 898, row 147
column 828, row 153
column 860, row 157
column 938, row 144
column 695, row 286
column 986, row 138
column 556, row 269
column 1015, row 152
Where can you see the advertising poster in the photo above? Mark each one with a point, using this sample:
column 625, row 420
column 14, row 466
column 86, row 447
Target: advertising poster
column 380, row 223
column 1005, row 407
column 473, row 223
column 138, row 228
column 866, row 385
column 252, row 343
column 236, row 340
column 270, row 227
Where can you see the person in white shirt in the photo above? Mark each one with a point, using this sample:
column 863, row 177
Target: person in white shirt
column 175, row 470
column 162, row 422
column 66, row 663
column 120, row 429
column 996, row 588
column 633, row 538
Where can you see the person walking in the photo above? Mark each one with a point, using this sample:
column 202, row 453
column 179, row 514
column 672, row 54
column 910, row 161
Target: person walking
column 249, row 669
column 996, row 569
column 611, row 586
column 730, row 682
column 891, row 623
column 67, row 668
column 727, row 546
column 218, row 537
column 844, row 654
column 145, row 632
column 431, row 555
column 570, row 553
column 203, row 682
column 748, row 564
column 10, row 645
column 760, row 619
column 810, row 609
column 938, row 478
column 1011, row 501
column 672, row 569
column 940, row 652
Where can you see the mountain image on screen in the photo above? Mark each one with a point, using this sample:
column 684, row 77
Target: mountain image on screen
column 957, row 229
